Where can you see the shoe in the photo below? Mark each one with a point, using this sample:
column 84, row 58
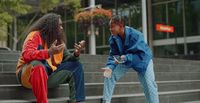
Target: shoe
column 103, row 101
column 70, row 101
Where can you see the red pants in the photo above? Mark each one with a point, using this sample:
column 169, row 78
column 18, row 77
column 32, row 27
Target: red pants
column 38, row 80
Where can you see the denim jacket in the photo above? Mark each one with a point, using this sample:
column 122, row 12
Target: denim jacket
column 136, row 51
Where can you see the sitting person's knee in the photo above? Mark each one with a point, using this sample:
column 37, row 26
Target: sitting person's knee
column 78, row 63
column 75, row 63
column 36, row 63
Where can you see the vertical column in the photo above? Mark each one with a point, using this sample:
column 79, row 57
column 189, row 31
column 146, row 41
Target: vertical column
column 184, row 29
column 92, row 38
column 150, row 24
column 144, row 19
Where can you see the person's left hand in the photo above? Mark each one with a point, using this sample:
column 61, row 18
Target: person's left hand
column 79, row 47
column 123, row 58
column 120, row 59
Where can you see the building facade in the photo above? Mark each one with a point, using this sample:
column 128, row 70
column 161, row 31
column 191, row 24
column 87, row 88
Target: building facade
column 182, row 15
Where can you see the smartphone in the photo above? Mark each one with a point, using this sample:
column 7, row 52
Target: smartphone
column 118, row 59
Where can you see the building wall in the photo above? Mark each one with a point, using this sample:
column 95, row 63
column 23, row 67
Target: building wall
column 185, row 17
column 130, row 10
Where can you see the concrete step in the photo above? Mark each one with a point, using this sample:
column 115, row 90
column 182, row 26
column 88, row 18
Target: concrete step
column 89, row 67
column 160, row 76
column 9, row 51
column 10, row 66
column 9, row 56
column 5, row 57
column 96, row 89
column 97, row 77
column 16, row 101
column 165, row 97
column 83, row 57
column 192, row 102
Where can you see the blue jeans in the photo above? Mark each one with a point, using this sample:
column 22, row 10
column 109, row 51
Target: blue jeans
column 71, row 72
column 147, row 79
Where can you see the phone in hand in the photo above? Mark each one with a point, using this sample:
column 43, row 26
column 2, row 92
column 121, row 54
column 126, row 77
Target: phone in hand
column 118, row 59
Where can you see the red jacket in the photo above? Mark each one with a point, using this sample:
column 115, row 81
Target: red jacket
column 30, row 50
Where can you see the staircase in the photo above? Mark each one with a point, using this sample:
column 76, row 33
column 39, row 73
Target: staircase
column 178, row 82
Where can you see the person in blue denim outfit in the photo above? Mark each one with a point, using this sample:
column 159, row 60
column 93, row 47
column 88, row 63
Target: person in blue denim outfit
column 128, row 50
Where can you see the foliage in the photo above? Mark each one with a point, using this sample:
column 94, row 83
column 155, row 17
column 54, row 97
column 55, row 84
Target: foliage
column 12, row 8
column 47, row 5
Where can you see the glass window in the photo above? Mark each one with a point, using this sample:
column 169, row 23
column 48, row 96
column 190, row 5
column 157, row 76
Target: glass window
column 132, row 13
column 175, row 17
column 159, row 17
column 193, row 48
column 136, row 16
column 130, row 10
column 69, row 32
column 99, row 35
column 192, row 8
column 104, row 51
column 168, row 50
column 102, row 35
column 168, row 14
column 155, row 1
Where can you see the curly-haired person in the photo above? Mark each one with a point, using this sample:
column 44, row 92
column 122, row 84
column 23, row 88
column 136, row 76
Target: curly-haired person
column 45, row 61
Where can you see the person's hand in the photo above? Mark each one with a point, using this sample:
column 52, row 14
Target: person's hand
column 123, row 58
column 55, row 49
column 119, row 59
column 79, row 47
column 107, row 72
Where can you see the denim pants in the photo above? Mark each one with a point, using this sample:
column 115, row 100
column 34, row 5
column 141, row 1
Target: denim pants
column 147, row 80
column 72, row 73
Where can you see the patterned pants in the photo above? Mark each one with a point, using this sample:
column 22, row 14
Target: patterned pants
column 147, row 79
